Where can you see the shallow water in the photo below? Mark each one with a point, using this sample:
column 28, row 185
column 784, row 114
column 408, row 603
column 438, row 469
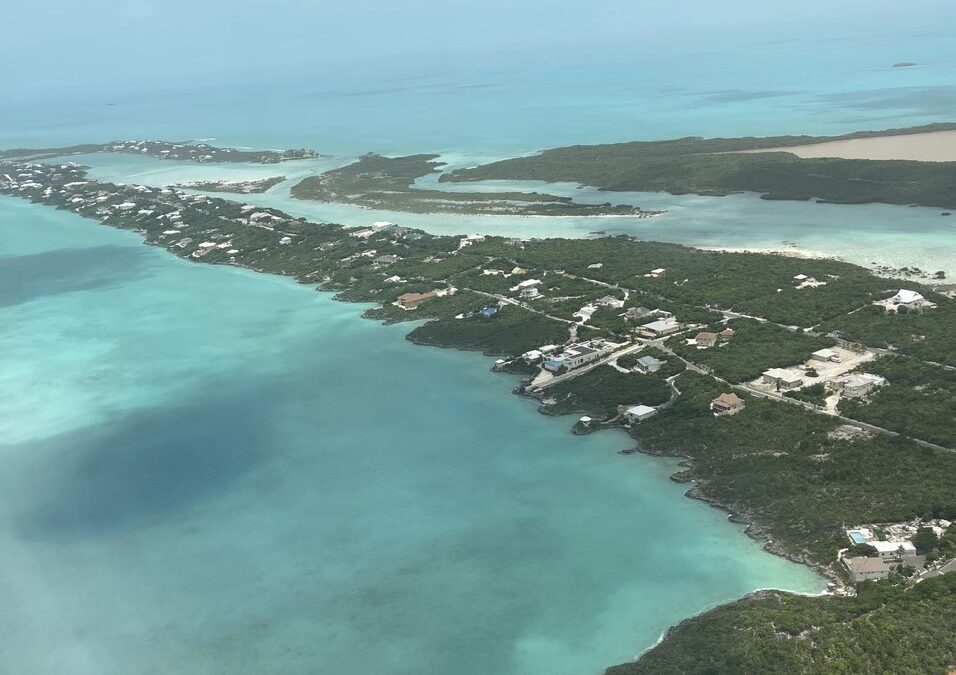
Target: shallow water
column 210, row 470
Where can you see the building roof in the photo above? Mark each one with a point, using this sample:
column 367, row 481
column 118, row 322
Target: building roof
column 641, row 410
column 527, row 283
column 650, row 361
column 892, row 546
column 783, row 374
column 660, row 325
column 825, row 353
column 705, row 336
column 727, row 332
column 730, row 400
column 906, row 297
column 861, row 565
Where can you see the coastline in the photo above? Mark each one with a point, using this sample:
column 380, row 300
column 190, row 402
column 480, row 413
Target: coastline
column 930, row 146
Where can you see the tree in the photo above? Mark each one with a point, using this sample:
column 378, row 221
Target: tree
column 861, row 551
column 925, row 540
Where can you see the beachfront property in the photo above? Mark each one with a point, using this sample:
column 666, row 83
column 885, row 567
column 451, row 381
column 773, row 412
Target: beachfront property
column 639, row 413
column 825, row 355
column 578, row 354
column 648, row 364
column 862, row 568
column 532, row 356
column 410, row 301
column 782, row 378
column 727, row 404
column 856, row 385
column 659, row 327
column 904, row 297
column 706, row 339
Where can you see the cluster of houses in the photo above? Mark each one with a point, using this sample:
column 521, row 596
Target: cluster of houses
column 890, row 555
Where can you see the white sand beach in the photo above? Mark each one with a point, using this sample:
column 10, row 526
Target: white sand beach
column 933, row 146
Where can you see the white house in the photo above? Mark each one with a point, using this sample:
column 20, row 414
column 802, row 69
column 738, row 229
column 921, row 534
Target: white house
column 285, row 241
column 893, row 550
column 855, row 385
column 529, row 292
column 782, row 378
column 661, row 327
column 528, row 283
column 532, row 356
column 825, row 355
column 639, row 413
column 904, row 297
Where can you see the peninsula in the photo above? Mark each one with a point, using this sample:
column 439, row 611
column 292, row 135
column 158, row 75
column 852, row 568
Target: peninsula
column 185, row 151
column 244, row 187
column 854, row 168
column 811, row 399
column 387, row 183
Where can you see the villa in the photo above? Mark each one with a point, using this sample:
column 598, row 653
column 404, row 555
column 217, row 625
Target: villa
column 660, row 327
column 706, row 339
column 648, row 364
column 727, row 404
column 825, row 355
column 856, row 385
column 413, row 300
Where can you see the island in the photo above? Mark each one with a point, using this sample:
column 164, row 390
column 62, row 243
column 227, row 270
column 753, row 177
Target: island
column 387, row 183
column 185, row 151
column 771, row 167
column 236, row 186
column 809, row 398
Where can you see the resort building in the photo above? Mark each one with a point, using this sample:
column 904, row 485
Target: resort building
column 782, row 378
column 706, row 339
column 648, row 364
column 825, row 355
column 639, row 413
column 727, row 404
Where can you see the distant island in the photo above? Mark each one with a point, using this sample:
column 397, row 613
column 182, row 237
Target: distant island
column 186, row 151
column 809, row 398
column 721, row 166
column 236, row 186
column 387, row 183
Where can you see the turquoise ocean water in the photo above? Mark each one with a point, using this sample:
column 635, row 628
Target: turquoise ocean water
column 208, row 470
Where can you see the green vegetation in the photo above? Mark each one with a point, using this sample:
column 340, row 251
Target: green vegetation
column 754, row 348
column 240, row 187
column 927, row 335
column 780, row 469
column 183, row 151
column 887, row 629
column 918, row 401
column 714, row 167
column 815, row 394
column 600, row 391
column 381, row 182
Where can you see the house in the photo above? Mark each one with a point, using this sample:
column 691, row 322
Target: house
column 856, row 385
column 529, row 292
column 893, row 550
column 609, row 301
column 800, row 278
column 864, row 569
column 394, row 279
column 648, row 364
column 382, row 225
column 413, row 300
column 386, row 259
column 285, row 241
column 635, row 313
column 595, row 266
column 660, row 327
column 639, row 413
column 726, row 333
column 578, row 354
column 727, row 404
column 527, row 283
column 488, row 312
column 904, row 297
column 532, row 356
column 656, row 273
column 825, row 355
column 706, row 339
column 782, row 378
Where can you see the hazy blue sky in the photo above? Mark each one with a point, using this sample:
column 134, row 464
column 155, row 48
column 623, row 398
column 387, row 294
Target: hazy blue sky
column 139, row 44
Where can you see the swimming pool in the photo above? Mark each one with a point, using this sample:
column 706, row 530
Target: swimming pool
column 857, row 537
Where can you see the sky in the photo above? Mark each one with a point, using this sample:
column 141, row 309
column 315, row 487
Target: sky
column 144, row 45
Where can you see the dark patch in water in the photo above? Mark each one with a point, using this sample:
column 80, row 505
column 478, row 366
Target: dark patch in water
column 142, row 468
column 28, row 277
